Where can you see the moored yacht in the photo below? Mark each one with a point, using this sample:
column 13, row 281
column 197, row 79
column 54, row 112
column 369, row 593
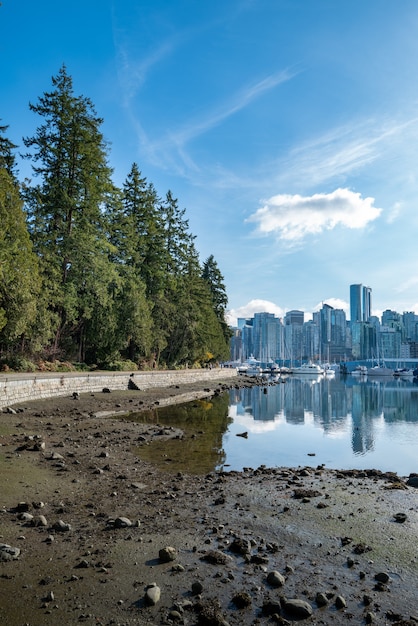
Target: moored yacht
column 379, row 370
column 309, row 368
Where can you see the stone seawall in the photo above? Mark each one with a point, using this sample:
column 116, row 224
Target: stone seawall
column 17, row 388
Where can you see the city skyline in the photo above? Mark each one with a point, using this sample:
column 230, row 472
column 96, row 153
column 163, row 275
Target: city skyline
column 287, row 130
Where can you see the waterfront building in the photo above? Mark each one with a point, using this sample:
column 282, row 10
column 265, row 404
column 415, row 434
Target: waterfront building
column 267, row 337
column 360, row 303
column 329, row 335
column 355, row 304
column 293, row 337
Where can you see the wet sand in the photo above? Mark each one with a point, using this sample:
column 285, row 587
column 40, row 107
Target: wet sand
column 101, row 517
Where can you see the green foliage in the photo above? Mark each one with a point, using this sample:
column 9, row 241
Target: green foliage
column 19, row 280
column 98, row 274
column 17, row 363
column 119, row 365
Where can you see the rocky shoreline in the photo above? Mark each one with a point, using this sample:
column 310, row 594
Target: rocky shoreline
column 94, row 535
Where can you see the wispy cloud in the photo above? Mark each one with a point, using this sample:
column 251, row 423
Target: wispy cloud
column 133, row 75
column 173, row 145
column 340, row 152
column 293, row 217
column 236, row 103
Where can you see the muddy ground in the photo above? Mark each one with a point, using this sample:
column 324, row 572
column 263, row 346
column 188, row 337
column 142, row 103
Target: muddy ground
column 264, row 546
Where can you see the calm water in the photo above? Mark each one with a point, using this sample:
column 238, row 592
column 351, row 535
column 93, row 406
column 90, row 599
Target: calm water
column 340, row 423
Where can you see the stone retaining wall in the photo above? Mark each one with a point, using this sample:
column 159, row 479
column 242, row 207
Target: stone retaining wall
column 17, row 388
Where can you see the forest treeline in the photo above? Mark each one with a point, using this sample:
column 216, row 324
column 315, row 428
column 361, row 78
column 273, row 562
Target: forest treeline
column 91, row 273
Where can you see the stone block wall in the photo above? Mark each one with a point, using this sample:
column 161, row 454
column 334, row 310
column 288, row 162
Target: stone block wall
column 17, row 388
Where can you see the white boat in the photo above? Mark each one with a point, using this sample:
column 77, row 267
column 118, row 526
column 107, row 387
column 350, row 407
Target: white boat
column 379, row 370
column 254, row 370
column 309, row 368
column 360, row 370
column 404, row 373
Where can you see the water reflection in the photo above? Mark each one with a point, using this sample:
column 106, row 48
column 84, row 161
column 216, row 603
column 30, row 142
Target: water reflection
column 362, row 412
column 342, row 422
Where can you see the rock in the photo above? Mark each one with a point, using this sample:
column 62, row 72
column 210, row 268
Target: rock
column 197, row 588
column 412, row 480
column 8, row 553
column 152, row 594
column 321, row 599
column 275, row 579
column 300, row 494
column 106, row 390
column 340, row 602
column 61, row 527
column 297, row 608
column 240, row 546
column 215, row 557
column 242, row 600
column 122, row 522
column 382, row 577
column 56, row 456
column 39, row 520
column 25, row 517
column 400, row 517
column 167, row 554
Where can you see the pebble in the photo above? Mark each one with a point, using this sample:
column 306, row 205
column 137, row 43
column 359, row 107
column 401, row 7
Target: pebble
column 197, row 588
column 275, row 579
column 153, row 594
column 298, row 608
column 340, row 602
column 8, row 553
column 61, row 526
column 167, row 554
column 382, row 577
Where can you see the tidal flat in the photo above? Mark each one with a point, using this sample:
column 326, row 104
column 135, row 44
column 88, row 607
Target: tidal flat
column 92, row 520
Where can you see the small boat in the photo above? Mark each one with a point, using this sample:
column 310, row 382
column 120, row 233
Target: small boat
column 254, row 370
column 404, row 372
column 379, row 370
column 360, row 370
column 309, row 368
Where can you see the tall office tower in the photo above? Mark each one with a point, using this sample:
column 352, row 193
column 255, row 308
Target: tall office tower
column 367, row 303
column 294, row 317
column 355, row 303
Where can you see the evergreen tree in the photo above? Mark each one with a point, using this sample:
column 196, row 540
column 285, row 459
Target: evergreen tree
column 65, row 214
column 19, row 280
column 213, row 276
column 131, row 228
column 7, row 157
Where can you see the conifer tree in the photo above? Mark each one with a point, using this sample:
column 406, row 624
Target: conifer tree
column 215, row 281
column 72, row 185
column 7, row 157
column 19, row 280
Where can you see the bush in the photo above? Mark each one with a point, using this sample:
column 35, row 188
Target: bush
column 17, row 364
column 119, row 366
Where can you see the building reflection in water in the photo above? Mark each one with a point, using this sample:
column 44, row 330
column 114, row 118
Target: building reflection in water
column 333, row 405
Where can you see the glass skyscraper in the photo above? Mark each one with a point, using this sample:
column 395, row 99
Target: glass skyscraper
column 360, row 303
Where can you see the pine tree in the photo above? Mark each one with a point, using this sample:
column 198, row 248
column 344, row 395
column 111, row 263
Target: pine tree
column 65, row 214
column 19, row 280
column 213, row 276
column 7, row 157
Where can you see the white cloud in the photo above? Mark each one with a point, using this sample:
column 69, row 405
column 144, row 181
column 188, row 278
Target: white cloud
column 336, row 303
column 293, row 217
column 254, row 306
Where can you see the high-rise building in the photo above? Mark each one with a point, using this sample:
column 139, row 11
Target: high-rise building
column 360, row 303
column 367, row 303
column 355, row 303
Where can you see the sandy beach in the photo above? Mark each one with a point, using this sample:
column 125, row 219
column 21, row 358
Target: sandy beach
column 96, row 535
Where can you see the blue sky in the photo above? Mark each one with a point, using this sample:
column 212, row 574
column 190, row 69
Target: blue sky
column 287, row 129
